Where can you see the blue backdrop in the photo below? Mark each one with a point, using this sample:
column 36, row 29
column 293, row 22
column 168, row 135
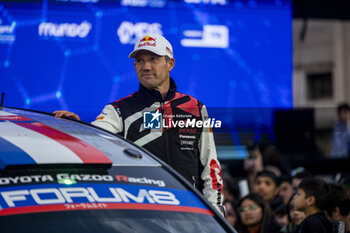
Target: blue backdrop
column 73, row 54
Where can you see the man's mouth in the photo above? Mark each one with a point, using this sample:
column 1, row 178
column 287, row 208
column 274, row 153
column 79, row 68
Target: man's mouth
column 261, row 193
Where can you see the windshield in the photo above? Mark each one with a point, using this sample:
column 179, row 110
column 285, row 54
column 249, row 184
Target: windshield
column 105, row 221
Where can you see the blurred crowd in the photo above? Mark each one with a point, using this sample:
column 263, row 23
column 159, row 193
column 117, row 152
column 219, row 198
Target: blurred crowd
column 273, row 199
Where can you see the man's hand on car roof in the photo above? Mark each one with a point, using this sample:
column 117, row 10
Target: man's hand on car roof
column 63, row 113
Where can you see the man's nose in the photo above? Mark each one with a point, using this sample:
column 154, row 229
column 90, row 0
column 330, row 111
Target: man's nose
column 146, row 65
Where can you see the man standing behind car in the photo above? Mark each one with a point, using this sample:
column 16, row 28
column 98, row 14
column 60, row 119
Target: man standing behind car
column 189, row 150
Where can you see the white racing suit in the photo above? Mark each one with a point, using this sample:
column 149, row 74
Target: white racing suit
column 169, row 129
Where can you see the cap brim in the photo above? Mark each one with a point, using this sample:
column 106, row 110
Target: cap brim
column 133, row 53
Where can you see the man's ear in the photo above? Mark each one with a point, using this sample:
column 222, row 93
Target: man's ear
column 171, row 63
column 336, row 212
column 310, row 200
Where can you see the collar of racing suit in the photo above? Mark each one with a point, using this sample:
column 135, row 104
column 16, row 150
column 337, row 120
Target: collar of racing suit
column 155, row 95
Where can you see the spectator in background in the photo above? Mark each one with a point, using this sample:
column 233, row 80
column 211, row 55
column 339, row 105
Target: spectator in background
column 286, row 188
column 310, row 198
column 255, row 216
column 338, row 208
column 230, row 190
column 341, row 133
column 273, row 160
column 281, row 216
column 253, row 163
column 266, row 185
column 298, row 177
column 256, row 161
column 230, row 215
column 345, row 181
column 295, row 217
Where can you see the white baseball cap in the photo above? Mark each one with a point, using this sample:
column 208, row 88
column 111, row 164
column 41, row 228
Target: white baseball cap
column 154, row 43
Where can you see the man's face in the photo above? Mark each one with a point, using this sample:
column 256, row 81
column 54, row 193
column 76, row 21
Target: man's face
column 297, row 216
column 286, row 191
column 266, row 188
column 344, row 115
column 152, row 70
column 300, row 202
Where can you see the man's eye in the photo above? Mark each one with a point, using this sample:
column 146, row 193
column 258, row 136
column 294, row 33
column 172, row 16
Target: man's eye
column 154, row 59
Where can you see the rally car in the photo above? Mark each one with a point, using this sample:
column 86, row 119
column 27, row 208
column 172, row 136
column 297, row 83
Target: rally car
column 62, row 175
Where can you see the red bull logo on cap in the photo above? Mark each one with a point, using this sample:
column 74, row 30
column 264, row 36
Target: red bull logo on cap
column 147, row 41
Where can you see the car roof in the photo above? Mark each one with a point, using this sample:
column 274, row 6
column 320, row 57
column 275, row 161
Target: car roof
column 36, row 138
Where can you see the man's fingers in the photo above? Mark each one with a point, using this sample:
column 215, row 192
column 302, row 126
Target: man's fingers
column 60, row 113
column 72, row 114
column 63, row 113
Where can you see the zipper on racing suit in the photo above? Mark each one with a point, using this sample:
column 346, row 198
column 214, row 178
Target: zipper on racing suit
column 165, row 135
